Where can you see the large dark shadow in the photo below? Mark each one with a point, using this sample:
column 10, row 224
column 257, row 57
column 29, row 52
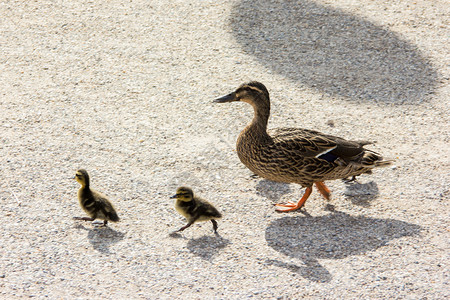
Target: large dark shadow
column 333, row 51
column 334, row 236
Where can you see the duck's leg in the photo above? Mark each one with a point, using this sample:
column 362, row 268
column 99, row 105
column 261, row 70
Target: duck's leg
column 290, row 206
column 323, row 190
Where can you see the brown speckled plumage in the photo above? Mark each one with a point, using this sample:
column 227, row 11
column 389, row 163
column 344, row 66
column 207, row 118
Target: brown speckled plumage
column 294, row 155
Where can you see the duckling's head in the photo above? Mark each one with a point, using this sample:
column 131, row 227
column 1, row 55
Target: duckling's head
column 184, row 194
column 82, row 177
column 254, row 93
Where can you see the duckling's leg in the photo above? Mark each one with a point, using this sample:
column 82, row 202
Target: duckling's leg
column 290, row 206
column 214, row 225
column 185, row 226
column 83, row 218
column 323, row 190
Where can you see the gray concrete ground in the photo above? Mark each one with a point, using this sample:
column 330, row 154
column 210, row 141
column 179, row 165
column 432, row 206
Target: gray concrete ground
column 125, row 89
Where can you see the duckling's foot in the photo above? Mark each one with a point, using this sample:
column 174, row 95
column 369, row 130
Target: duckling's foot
column 83, row 218
column 291, row 206
column 323, row 190
column 175, row 234
column 100, row 223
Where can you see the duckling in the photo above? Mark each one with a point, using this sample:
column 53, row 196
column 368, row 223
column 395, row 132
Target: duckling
column 293, row 155
column 95, row 204
column 195, row 209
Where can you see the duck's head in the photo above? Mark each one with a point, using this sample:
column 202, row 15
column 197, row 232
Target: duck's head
column 254, row 93
column 82, row 177
column 184, row 194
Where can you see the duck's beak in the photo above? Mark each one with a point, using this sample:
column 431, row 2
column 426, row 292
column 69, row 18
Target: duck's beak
column 228, row 98
column 172, row 197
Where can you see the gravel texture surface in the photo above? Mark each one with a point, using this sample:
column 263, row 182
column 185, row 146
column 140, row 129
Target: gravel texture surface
column 125, row 89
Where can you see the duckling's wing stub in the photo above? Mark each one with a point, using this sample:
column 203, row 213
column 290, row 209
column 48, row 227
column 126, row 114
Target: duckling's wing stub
column 105, row 208
column 110, row 212
column 112, row 216
column 202, row 210
column 209, row 211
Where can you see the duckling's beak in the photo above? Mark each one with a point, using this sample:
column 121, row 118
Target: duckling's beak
column 228, row 98
column 172, row 197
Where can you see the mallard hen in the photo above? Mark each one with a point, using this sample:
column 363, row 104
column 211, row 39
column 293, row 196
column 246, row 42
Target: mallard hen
column 95, row 204
column 293, row 155
column 195, row 209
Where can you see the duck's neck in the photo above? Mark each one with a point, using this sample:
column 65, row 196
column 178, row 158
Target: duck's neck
column 260, row 119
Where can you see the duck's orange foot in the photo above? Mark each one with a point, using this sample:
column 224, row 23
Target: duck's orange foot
column 291, row 206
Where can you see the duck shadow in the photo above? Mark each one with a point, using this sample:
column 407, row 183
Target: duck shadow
column 333, row 51
column 272, row 190
column 361, row 194
column 334, row 236
column 102, row 237
column 206, row 246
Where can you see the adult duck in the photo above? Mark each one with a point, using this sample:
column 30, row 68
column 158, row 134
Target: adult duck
column 293, row 155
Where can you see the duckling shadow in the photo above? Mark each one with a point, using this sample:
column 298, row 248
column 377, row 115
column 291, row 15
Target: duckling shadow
column 361, row 194
column 312, row 270
column 207, row 246
column 272, row 190
column 334, row 236
column 101, row 238
column 333, row 51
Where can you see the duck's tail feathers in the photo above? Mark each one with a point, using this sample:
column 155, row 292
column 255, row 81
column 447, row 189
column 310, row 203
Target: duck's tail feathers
column 372, row 159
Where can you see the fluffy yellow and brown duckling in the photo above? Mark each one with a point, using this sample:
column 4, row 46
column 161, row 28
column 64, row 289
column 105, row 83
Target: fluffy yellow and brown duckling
column 195, row 209
column 293, row 155
column 95, row 204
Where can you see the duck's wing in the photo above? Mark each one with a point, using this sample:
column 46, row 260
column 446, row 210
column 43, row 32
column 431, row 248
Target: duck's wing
column 310, row 143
